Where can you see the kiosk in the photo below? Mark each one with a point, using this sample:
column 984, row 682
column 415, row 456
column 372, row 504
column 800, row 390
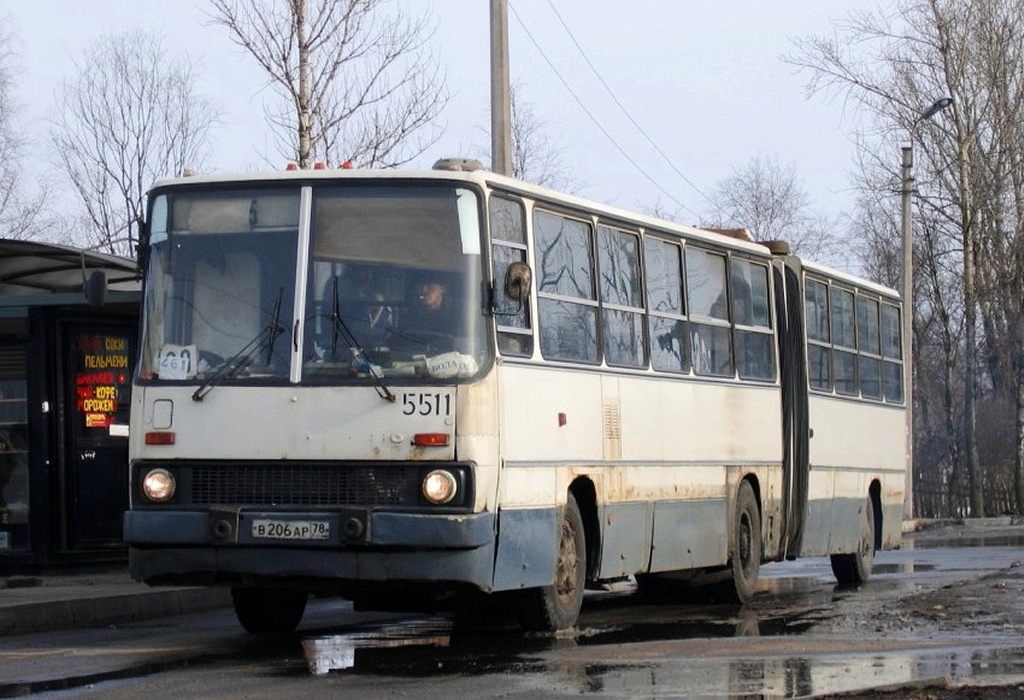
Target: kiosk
column 65, row 384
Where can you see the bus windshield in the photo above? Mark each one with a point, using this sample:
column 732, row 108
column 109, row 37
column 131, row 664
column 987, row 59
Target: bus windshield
column 393, row 285
column 394, row 282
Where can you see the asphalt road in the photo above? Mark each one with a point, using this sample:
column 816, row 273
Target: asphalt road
column 947, row 608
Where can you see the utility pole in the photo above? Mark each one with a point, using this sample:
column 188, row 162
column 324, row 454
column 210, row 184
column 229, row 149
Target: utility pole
column 501, row 107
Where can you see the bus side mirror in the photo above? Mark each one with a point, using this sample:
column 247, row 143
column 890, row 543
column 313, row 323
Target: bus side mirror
column 518, row 279
column 96, row 289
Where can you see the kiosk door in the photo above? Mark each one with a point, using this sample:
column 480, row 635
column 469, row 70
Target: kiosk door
column 99, row 358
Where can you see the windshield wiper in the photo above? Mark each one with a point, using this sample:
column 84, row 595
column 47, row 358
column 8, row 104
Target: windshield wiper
column 243, row 358
column 358, row 354
column 274, row 329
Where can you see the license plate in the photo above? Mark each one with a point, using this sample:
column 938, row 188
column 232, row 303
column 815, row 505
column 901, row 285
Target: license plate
column 291, row 529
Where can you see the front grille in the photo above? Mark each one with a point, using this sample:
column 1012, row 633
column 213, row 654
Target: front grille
column 301, row 485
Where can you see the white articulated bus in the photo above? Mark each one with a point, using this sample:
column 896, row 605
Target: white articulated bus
column 414, row 389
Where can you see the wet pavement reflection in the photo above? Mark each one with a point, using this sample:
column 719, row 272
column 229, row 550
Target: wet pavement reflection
column 338, row 652
column 624, row 647
column 690, row 661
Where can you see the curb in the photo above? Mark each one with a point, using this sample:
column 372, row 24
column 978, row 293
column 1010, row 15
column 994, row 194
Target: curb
column 108, row 610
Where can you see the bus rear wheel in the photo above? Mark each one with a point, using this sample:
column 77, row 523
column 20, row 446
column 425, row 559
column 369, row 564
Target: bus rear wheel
column 745, row 552
column 557, row 607
column 855, row 568
column 269, row 610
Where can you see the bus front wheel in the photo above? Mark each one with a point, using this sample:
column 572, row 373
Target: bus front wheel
column 557, row 607
column 269, row 610
column 855, row 568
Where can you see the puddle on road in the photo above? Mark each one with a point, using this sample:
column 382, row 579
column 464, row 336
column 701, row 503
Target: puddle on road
column 901, row 568
column 625, row 648
column 477, row 645
column 675, row 661
column 339, row 652
column 795, row 676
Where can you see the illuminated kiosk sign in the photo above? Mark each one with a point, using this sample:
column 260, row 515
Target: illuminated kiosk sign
column 101, row 378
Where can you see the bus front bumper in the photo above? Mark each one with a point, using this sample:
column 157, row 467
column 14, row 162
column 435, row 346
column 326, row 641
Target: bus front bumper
column 222, row 546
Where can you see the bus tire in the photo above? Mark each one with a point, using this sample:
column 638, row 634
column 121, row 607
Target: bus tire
column 745, row 552
column 269, row 610
column 557, row 607
column 855, row 568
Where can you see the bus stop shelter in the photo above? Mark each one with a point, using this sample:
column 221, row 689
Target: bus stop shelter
column 65, row 382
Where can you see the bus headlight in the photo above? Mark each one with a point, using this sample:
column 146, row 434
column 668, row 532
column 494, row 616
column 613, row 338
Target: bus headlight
column 440, row 486
column 158, row 485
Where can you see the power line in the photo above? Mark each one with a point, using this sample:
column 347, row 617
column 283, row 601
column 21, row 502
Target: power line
column 598, row 124
column 622, row 107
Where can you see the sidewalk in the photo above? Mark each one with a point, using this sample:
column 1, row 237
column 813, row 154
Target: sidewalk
column 31, row 604
column 44, row 603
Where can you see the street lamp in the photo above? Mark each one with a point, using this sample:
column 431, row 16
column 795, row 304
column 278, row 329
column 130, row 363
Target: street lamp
column 906, row 191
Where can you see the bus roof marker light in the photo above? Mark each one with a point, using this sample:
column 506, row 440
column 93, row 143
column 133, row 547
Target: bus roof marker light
column 348, row 165
column 562, row 419
column 292, row 166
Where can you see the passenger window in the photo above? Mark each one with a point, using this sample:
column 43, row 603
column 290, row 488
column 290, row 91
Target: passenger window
column 892, row 367
column 507, row 219
column 565, row 287
column 755, row 347
column 844, row 370
column 819, row 350
column 867, row 325
column 819, row 367
column 842, row 318
column 622, row 302
column 666, row 319
column 844, row 362
column 710, row 336
column 705, row 284
column 870, row 377
column 816, row 310
column 869, row 345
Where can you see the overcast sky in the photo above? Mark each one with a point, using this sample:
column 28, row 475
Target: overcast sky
column 703, row 79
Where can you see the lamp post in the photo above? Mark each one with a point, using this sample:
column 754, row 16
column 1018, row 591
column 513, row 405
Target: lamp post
column 906, row 192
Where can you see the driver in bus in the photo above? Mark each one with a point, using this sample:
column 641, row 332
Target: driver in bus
column 428, row 326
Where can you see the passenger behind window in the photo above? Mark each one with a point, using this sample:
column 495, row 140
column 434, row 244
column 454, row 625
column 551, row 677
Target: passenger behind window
column 365, row 311
column 362, row 309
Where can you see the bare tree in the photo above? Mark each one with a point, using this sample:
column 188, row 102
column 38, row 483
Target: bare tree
column 535, row 156
column 355, row 83
column 765, row 197
column 128, row 116
column 970, row 203
column 19, row 211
